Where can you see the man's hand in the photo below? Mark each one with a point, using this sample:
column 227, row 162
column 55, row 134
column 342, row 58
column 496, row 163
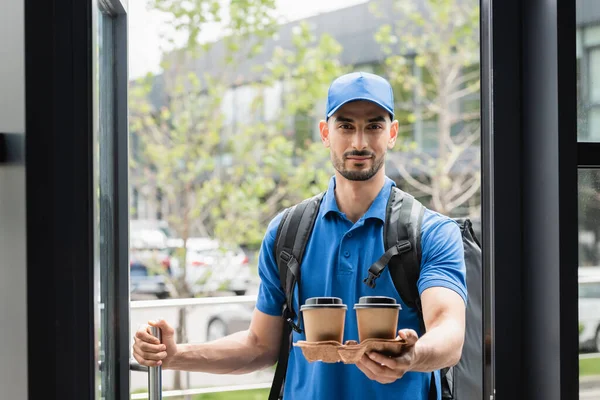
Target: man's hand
column 147, row 350
column 384, row 369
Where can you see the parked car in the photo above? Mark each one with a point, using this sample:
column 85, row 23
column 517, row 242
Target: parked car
column 213, row 267
column 589, row 309
column 229, row 319
column 143, row 283
column 210, row 266
column 150, row 263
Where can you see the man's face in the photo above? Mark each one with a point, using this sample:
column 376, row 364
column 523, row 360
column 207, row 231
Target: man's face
column 358, row 136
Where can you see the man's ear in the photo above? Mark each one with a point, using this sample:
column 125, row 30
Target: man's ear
column 324, row 130
column 393, row 134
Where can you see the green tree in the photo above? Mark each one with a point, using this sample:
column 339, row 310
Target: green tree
column 216, row 178
column 433, row 62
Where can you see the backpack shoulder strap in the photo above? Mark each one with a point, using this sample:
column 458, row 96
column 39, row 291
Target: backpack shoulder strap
column 292, row 236
column 404, row 217
column 402, row 242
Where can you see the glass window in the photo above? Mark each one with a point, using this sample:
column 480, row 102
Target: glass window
column 589, row 281
column 593, row 133
column 228, row 108
column 589, row 218
column 594, row 70
column 110, row 159
column 588, row 128
column 243, row 99
column 104, row 189
column 588, row 79
column 589, row 290
column 273, row 101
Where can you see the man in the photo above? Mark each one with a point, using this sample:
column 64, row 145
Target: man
column 347, row 238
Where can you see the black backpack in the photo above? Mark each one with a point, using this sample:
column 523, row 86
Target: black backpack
column 402, row 241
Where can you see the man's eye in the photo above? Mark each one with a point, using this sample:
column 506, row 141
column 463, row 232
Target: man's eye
column 345, row 126
column 374, row 127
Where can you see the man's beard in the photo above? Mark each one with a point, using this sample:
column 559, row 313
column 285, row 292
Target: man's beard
column 363, row 175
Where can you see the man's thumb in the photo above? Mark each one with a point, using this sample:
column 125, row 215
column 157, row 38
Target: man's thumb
column 409, row 335
column 165, row 328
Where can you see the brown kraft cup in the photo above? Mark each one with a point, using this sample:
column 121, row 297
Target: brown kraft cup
column 324, row 319
column 377, row 317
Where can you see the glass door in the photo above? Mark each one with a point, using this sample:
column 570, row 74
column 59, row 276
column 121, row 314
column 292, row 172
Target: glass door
column 588, row 137
column 110, row 200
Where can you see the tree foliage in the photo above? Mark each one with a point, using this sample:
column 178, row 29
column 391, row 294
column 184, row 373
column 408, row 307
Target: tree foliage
column 433, row 62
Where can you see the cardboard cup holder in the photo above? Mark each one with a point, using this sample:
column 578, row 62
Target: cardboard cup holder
column 350, row 352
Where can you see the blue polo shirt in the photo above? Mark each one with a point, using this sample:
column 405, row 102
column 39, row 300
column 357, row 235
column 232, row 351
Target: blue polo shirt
column 337, row 258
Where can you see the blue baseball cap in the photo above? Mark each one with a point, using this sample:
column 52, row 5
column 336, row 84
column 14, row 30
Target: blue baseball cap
column 360, row 86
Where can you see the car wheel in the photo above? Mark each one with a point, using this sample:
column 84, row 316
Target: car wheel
column 162, row 296
column 239, row 292
column 216, row 330
column 597, row 341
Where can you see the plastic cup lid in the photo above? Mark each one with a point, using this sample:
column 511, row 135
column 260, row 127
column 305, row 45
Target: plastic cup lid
column 324, row 302
column 377, row 301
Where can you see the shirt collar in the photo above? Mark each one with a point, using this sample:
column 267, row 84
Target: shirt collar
column 376, row 210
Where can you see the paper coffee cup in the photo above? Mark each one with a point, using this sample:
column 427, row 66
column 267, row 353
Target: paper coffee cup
column 324, row 319
column 377, row 317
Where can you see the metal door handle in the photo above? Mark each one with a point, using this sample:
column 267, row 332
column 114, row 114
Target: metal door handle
column 155, row 373
column 134, row 366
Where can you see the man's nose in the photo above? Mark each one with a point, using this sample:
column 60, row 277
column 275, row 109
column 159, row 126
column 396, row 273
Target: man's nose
column 359, row 141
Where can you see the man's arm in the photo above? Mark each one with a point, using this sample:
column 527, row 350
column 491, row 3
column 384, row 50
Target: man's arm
column 444, row 316
column 239, row 353
column 242, row 352
column 440, row 347
column 442, row 287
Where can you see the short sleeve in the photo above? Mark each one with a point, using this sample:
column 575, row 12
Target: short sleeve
column 270, row 297
column 443, row 260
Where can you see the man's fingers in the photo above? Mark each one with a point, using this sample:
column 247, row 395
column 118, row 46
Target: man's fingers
column 365, row 370
column 383, row 360
column 380, row 373
column 145, row 336
column 147, row 349
column 372, row 376
column 153, row 356
column 148, row 363
column 166, row 329
column 151, row 348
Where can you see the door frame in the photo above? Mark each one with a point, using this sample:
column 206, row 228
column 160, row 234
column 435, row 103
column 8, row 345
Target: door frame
column 59, row 142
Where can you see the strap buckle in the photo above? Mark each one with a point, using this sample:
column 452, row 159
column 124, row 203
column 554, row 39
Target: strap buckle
column 288, row 316
column 370, row 280
column 285, row 256
column 403, row 246
column 293, row 325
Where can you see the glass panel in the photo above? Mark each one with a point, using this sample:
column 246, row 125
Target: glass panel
column 104, row 254
column 593, row 133
column 589, row 283
column 226, row 168
column 588, row 74
column 594, row 68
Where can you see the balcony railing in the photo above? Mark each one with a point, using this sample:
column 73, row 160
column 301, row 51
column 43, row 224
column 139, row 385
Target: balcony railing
column 162, row 307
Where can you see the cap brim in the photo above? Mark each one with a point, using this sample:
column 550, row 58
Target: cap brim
column 357, row 99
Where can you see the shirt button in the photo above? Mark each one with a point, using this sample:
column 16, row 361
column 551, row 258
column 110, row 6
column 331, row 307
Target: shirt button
column 349, row 234
column 346, row 254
